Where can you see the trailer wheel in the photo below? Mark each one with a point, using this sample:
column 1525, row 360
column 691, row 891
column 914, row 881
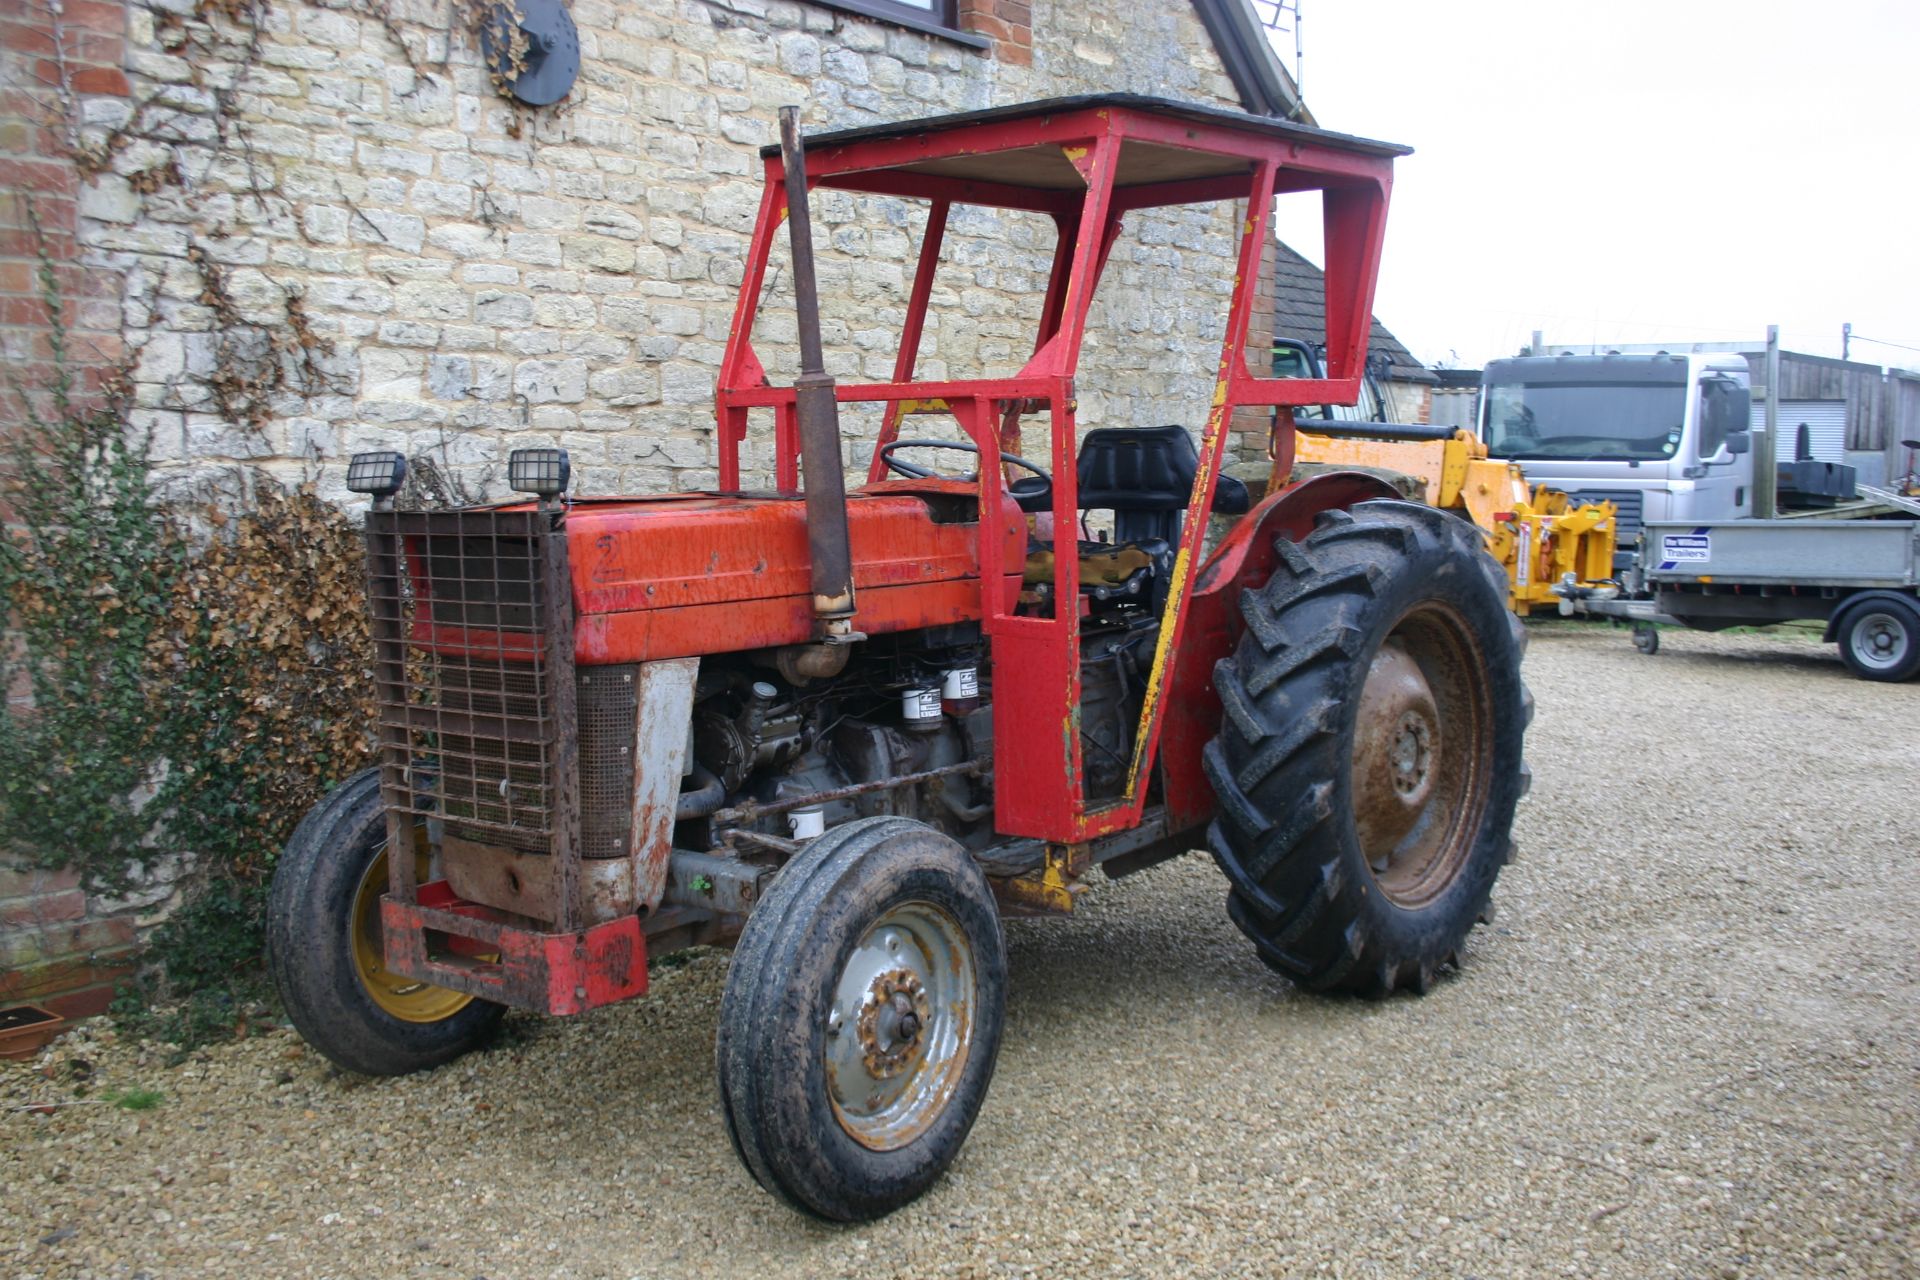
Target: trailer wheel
column 1369, row 757
column 325, row 954
column 1646, row 638
column 1880, row 639
column 861, row 1019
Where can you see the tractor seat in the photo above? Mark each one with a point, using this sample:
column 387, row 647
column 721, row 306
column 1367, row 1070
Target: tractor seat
column 1144, row 475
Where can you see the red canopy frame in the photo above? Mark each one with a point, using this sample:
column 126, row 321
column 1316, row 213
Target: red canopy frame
column 1087, row 163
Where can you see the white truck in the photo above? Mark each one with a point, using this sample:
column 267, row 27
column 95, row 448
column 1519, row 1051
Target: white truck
column 1662, row 437
column 1666, row 438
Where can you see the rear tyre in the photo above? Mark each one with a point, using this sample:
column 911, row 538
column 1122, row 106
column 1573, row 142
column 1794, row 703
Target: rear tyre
column 1880, row 639
column 325, row 952
column 861, row 1019
column 1369, row 757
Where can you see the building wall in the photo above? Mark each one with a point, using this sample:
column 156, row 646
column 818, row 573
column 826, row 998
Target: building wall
column 471, row 276
column 1882, row 409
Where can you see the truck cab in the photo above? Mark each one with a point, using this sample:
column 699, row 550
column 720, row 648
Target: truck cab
column 1663, row 436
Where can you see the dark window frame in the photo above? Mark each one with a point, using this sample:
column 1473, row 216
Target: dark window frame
column 942, row 21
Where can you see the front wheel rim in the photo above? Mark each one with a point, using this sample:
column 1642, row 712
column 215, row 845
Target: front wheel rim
column 900, row 1025
column 404, row 998
column 1880, row 641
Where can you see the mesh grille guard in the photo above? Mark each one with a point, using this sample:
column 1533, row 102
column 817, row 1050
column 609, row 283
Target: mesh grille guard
column 475, row 682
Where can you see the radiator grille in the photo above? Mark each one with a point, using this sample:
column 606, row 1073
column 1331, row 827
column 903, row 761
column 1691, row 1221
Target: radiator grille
column 607, row 712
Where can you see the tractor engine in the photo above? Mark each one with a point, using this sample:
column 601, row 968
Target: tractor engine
column 787, row 755
column 905, row 729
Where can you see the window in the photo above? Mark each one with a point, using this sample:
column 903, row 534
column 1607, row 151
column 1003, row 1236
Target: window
column 934, row 17
column 1724, row 409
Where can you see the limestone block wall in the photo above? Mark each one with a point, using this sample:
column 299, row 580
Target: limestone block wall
column 330, row 233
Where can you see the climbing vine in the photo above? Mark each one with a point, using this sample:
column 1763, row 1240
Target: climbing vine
column 190, row 673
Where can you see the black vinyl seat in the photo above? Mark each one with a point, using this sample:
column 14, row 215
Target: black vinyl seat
column 1144, row 475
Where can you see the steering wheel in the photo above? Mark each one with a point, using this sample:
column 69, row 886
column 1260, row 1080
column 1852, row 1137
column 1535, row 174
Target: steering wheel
column 915, row 471
column 1030, row 492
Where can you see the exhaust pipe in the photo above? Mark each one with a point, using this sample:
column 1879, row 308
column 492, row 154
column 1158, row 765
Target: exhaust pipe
column 817, row 414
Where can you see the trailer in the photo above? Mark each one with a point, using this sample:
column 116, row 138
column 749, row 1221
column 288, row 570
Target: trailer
column 1861, row 577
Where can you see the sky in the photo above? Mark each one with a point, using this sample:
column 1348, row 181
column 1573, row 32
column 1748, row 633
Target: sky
column 1686, row 171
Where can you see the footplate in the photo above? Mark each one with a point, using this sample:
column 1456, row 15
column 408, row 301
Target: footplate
column 479, row 952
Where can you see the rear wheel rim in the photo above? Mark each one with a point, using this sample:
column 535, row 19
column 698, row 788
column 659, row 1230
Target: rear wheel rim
column 900, row 1025
column 404, row 998
column 1422, row 755
column 1879, row 641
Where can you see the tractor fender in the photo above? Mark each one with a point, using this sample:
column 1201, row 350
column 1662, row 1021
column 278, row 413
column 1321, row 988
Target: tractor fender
column 1244, row 558
column 1840, row 610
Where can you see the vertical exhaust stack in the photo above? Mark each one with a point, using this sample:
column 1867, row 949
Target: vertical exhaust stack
column 817, row 412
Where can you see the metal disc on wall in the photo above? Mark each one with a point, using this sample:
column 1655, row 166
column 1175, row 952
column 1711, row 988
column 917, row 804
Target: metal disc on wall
column 533, row 47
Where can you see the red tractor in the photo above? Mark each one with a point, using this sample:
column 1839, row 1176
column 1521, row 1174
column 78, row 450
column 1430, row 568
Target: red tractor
column 845, row 732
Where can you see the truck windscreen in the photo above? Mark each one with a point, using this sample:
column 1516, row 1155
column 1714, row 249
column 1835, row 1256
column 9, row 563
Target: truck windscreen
column 1586, row 421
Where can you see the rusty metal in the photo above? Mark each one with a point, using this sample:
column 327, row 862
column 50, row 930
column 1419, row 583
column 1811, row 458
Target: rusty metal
column 466, row 947
column 557, row 583
column 754, row 810
column 522, row 883
column 778, row 844
column 712, row 882
column 889, row 1026
column 816, row 409
column 1421, row 756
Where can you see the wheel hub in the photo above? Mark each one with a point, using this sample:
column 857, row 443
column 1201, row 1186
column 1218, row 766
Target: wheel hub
column 1879, row 641
column 1412, row 756
column 892, row 1015
column 1396, row 739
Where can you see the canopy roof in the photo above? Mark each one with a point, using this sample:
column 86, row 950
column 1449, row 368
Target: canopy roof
column 1022, row 163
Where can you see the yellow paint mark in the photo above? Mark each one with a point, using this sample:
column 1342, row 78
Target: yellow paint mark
column 1075, row 154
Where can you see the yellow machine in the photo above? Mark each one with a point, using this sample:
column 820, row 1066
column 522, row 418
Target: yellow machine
column 1537, row 534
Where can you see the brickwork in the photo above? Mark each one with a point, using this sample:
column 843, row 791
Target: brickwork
column 1008, row 23
column 55, row 72
column 56, row 949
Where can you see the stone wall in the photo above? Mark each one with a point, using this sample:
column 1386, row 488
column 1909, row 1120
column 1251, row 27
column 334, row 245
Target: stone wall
column 465, row 276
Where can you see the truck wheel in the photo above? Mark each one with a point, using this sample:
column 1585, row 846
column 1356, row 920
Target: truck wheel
column 861, row 1019
column 1880, row 639
column 1369, row 757
column 325, row 954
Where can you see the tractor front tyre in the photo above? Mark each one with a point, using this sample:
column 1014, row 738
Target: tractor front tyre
column 861, row 1019
column 1369, row 757
column 326, row 954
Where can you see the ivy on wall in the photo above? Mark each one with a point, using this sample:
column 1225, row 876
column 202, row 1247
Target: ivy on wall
column 181, row 679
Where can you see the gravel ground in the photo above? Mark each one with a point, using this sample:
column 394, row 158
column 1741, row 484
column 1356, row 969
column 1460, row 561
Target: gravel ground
column 1687, row 1046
